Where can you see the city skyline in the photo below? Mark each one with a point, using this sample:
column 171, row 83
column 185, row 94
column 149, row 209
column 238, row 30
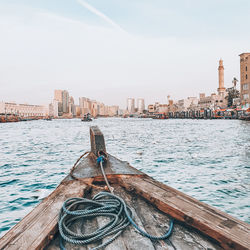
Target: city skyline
column 93, row 49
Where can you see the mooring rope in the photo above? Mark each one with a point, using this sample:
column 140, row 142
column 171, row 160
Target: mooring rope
column 103, row 204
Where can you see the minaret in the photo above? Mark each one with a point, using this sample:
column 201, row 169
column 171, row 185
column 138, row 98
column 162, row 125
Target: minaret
column 221, row 89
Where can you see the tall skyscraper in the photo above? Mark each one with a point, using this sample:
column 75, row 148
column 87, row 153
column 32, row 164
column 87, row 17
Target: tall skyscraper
column 245, row 79
column 65, row 101
column 131, row 105
column 221, row 89
column 58, row 96
column 62, row 96
column 140, row 105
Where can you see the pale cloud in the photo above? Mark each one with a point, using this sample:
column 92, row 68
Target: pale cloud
column 100, row 14
column 102, row 63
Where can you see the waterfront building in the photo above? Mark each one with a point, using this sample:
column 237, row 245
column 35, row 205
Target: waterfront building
column 187, row 104
column 62, row 96
column 58, row 96
column 212, row 102
column 102, row 109
column 163, row 108
column 221, row 89
column 245, row 79
column 158, row 108
column 65, row 102
column 140, row 105
column 113, row 110
column 72, row 108
column 151, row 108
column 85, row 105
column 94, row 109
column 131, row 105
column 78, row 111
column 23, row 110
column 53, row 109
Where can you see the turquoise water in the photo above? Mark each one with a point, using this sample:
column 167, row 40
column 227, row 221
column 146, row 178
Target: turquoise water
column 207, row 159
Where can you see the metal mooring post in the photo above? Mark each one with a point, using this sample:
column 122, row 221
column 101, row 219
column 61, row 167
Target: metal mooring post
column 97, row 140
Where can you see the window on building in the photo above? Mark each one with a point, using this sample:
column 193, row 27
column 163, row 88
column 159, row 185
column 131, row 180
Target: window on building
column 245, row 86
column 246, row 68
column 245, row 96
column 246, row 76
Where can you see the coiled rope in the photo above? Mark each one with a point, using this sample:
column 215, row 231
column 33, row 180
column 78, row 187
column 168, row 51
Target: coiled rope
column 103, row 204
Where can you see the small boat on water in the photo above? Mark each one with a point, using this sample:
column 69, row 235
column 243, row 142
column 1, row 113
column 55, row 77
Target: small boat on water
column 155, row 208
column 160, row 116
column 86, row 118
column 245, row 115
column 48, row 118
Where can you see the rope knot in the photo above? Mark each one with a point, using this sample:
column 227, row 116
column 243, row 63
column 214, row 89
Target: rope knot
column 100, row 159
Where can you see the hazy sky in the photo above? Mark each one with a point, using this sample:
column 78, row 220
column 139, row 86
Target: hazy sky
column 109, row 50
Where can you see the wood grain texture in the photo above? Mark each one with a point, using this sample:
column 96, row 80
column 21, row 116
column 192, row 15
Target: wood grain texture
column 228, row 231
column 37, row 228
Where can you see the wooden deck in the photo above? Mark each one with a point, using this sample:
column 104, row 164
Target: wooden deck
column 197, row 226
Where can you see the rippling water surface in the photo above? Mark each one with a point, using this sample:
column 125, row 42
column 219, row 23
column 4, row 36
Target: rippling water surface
column 207, row 159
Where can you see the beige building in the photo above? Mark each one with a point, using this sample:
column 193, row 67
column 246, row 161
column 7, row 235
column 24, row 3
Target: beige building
column 62, row 96
column 187, row 104
column 131, row 105
column 151, row 108
column 113, row 110
column 58, row 96
column 24, row 110
column 221, row 89
column 53, row 109
column 140, row 105
column 245, row 79
column 212, row 102
column 85, row 105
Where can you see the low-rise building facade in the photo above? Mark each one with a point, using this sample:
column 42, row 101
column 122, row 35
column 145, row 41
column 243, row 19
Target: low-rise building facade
column 245, row 79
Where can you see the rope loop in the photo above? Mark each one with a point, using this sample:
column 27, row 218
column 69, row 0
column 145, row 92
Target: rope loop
column 103, row 204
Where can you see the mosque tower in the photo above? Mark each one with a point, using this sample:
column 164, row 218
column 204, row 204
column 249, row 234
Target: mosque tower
column 221, row 89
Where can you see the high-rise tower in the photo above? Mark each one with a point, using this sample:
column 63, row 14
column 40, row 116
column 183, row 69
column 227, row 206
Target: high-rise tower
column 131, row 105
column 221, row 89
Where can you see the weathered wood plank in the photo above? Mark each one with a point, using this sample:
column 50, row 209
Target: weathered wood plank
column 228, row 231
column 118, row 243
column 132, row 238
column 97, row 140
column 88, row 168
column 38, row 227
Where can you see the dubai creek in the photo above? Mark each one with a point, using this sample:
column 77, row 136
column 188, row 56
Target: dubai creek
column 207, row 159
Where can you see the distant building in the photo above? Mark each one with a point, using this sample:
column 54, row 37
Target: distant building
column 221, row 89
column 78, row 111
column 131, row 105
column 62, row 96
column 58, row 96
column 53, row 108
column 212, row 102
column 113, row 110
column 65, row 101
column 140, row 105
column 23, row 110
column 245, row 79
column 163, row 108
column 151, row 108
column 85, row 105
column 188, row 103
column 72, row 108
